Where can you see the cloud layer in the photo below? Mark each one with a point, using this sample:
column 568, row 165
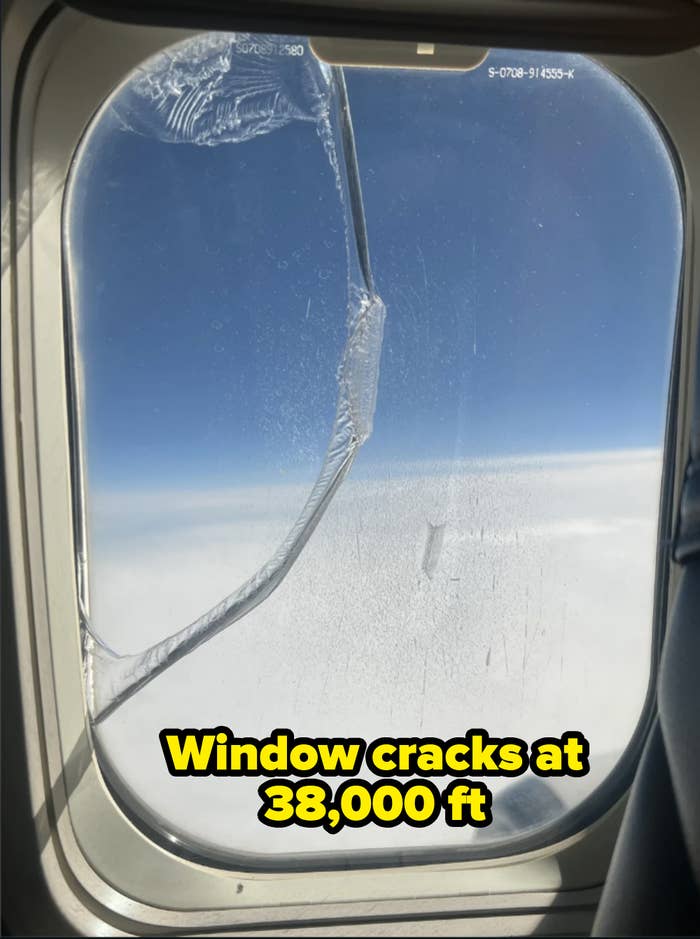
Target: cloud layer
column 535, row 618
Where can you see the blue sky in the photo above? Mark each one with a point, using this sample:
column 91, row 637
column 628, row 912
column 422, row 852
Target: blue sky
column 524, row 236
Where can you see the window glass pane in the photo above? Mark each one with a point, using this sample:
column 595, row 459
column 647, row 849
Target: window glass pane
column 260, row 250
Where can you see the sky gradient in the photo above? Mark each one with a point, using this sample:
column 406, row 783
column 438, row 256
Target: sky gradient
column 525, row 237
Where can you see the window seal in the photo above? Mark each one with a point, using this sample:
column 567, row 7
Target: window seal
column 260, row 911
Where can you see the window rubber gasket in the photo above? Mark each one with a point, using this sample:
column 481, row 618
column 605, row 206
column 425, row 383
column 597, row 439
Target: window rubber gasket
column 609, row 792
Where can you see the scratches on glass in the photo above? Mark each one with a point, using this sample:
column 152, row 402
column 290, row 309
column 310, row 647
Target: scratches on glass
column 433, row 548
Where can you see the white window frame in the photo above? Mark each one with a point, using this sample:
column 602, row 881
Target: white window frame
column 102, row 870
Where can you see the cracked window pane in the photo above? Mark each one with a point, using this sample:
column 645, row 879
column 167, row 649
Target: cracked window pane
column 212, row 91
column 371, row 369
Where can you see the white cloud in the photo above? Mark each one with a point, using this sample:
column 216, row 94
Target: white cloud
column 536, row 620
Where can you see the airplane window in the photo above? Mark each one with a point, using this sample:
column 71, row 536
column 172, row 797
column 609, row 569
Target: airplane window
column 369, row 376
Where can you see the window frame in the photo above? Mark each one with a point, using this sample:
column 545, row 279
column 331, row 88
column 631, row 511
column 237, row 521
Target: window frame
column 84, row 835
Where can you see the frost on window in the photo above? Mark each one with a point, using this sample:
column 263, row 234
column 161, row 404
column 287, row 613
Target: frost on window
column 370, row 374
